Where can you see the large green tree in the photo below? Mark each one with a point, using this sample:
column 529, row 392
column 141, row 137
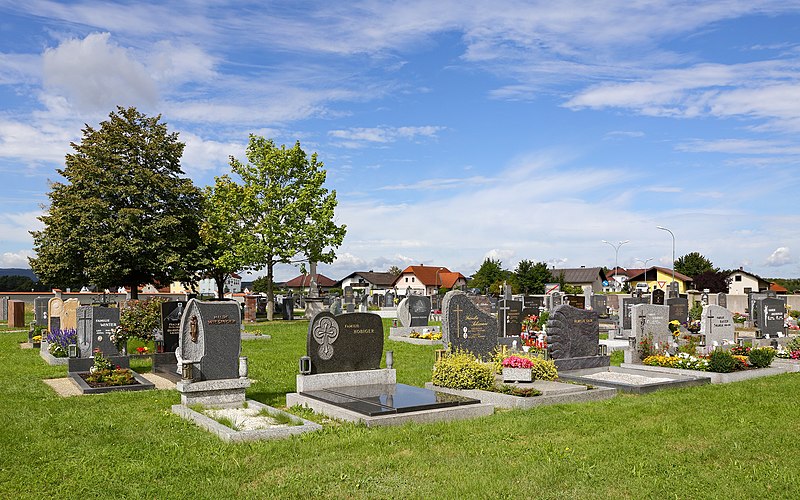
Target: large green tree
column 125, row 213
column 693, row 264
column 282, row 209
column 219, row 231
column 531, row 277
column 489, row 276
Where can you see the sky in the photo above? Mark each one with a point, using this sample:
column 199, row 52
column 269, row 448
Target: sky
column 451, row 131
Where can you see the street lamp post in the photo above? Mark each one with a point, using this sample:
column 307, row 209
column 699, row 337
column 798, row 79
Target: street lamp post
column 673, row 251
column 616, row 255
column 644, row 266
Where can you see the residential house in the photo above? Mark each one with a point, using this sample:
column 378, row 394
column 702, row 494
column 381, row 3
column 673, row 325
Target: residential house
column 369, row 281
column 743, row 282
column 660, row 277
column 426, row 280
column 208, row 286
column 302, row 283
column 588, row 278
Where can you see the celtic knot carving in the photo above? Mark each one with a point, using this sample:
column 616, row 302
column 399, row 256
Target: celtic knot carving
column 325, row 333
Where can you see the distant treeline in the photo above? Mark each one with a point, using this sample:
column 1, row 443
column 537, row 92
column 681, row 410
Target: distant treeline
column 791, row 284
column 21, row 284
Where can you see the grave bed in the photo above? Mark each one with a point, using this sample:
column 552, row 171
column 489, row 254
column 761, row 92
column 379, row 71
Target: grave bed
column 716, row 378
column 142, row 384
column 552, row 393
column 790, row 365
column 49, row 358
column 230, row 435
column 253, row 336
column 631, row 380
column 401, row 334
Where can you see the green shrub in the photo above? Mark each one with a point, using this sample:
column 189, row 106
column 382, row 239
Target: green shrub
column 542, row 369
column 696, row 312
column 795, row 313
column 721, row 361
column 761, row 357
column 140, row 318
column 461, row 370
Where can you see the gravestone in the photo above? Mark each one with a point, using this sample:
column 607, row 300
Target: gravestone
column 771, row 313
column 3, row 308
column 678, row 309
column 261, row 306
column 345, row 343
column 673, row 290
column 577, row 301
column 722, row 299
column 210, row 337
column 704, row 297
column 600, row 304
column 288, row 308
column 16, row 314
column 250, row 308
column 573, row 338
column 716, row 323
column 40, row 310
column 534, row 301
column 389, row 299
column 556, row 300
column 69, row 316
column 493, row 304
column 466, row 327
column 171, row 314
column 482, row 302
column 336, row 306
column 509, row 318
column 652, row 320
column 756, row 312
column 657, row 297
column 55, row 307
column 95, row 326
column 349, row 299
column 414, row 311
column 507, row 292
column 627, row 304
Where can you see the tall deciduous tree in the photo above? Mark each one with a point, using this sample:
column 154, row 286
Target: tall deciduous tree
column 125, row 213
column 693, row 264
column 531, row 277
column 219, row 231
column 283, row 209
column 490, row 274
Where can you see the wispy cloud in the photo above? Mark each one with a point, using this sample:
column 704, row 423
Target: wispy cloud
column 360, row 137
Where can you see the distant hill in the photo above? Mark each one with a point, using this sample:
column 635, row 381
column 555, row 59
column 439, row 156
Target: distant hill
column 12, row 271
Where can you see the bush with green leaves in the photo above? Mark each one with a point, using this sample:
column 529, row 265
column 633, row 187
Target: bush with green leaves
column 140, row 318
column 696, row 312
column 761, row 357
column 721, row 361
column 542, row 369
column 462, row 370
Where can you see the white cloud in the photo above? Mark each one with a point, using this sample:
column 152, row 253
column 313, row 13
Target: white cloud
column 780, row 257
column 359, row 137
column 95, row 74
column 14, row 226
column 202, row 155
column 16, row 259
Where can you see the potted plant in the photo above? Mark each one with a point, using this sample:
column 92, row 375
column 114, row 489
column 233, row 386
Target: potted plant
column 517, row 369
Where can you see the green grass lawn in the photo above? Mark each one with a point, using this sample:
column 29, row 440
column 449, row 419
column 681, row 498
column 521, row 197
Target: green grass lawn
column 724, row 441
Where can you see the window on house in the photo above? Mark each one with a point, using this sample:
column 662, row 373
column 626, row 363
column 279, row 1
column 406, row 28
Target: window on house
column 748, row 290
column 412, row 279
column 406, row 279
column 738, row 277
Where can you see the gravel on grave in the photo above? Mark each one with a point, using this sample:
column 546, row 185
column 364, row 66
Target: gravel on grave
column 244, row 419
column 627, row 378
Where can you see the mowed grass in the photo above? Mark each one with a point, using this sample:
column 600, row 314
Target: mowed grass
column 729, row 441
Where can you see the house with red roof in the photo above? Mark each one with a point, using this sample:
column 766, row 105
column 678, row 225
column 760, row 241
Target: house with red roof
column 426, row 280
column 302, row 283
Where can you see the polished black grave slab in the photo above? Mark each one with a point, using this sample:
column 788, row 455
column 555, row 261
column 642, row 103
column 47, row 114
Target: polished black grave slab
column 384, row 399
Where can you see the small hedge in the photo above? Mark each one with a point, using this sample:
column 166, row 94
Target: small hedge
column 461, row 370
column 761, row 357
column 721, row 361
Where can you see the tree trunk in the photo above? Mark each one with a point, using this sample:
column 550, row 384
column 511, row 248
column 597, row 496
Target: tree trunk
column 220, row 281
column 134, row 292
column 270, row 292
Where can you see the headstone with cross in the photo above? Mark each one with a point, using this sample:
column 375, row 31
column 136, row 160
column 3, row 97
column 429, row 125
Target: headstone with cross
column 95, row 326
column 466, row 327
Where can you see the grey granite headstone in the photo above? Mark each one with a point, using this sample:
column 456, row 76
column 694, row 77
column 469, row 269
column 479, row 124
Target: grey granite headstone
column 171, row 314
column 507, row 292
column 3, row 308
column 600, row 304
column 678, row 309
column 657, row 297
column 40, row 310
column 573, row 338
column 627, row 304
column 482, row 302
column 673, row 290
column 414, row 310
column 349, row 295
column 722, row 299
column 716, row 323
column 389, row 299
column 336, row 306
column 509, row 318
column 771, row 313
column 466, row 327
column 288, row 308
column 345, row 343
column 651, row 320
column 577, row 301
column 211, row 337
column 95, row 326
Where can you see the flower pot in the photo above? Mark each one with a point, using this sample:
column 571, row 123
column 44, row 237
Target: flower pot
column 517, row 375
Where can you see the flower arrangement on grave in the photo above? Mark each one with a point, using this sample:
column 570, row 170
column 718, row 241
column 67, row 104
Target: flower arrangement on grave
column 689, row 344
column 531, row 323
column 425, row 335
column 103, row 373
column 59, row 341
column 142, row 350
column 646, row 347
column 681, row 360
column 119, row 336
column 541, row 369
column 516, row 362
column 791, row 351
column 739, row 318
column 675, row 328
column 740, row 350
column 693, row 326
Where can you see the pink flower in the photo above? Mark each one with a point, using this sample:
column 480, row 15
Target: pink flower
column 517, row 362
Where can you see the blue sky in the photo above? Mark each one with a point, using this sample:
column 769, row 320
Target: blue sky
column 451, row 131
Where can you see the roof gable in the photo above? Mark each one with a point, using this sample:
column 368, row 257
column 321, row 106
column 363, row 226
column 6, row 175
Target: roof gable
column 427, row 275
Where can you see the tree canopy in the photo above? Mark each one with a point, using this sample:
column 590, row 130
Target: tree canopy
column 281, row 209
column 714, row 281
column 693, row 264
column 488, row 277
column 531, row 277
column 125, row 213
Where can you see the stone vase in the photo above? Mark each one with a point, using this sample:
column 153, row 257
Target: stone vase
column 517, row 375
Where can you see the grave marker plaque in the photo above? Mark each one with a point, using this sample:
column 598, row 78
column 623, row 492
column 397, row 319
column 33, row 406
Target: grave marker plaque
column 771, row 313
column 657, row 297
column 576, row 301
column 211, row 338
column 651, row 320
column 509, row 318
column 171, row 313
column 678, row 309
column 466, row 327
column 627, row 304
column 344, row 343
column 95, row 326
column 414, row 310
column 722, row 300
column 716, row 323
column 55, row 307
column 572, row 332
column 40, row 310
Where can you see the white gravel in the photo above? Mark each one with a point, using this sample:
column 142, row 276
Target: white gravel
column 627, row 378
column 244, row 419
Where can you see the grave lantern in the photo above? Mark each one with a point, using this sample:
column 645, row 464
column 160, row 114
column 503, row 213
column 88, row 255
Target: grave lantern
column 389, row 359
column 73, row 350
column 305, row 365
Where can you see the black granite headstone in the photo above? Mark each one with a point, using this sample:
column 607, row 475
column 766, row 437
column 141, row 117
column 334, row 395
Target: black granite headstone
column 577, row 301
column 345, row 343
column 572, row 332
column 211, row 338
column 722, row 300
column 509, row 318
column 600, row 304
column 95, row 326
column 627, row 304
column 40, row 310
column 771, row 313
column 657, row 297
column 288, row 308
column 466, row 327
column 171, row 313
column 678, row 309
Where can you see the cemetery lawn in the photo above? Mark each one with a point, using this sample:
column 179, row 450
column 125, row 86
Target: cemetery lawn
column 734, row 440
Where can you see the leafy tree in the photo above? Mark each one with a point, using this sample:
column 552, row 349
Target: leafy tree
column 394, row 270
column 489, row 276
column 692, row 264
column 125, row 215
column 260, row 285
column 282, row 208
column 219, row 231
column 531, row 277
column 714, row 281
